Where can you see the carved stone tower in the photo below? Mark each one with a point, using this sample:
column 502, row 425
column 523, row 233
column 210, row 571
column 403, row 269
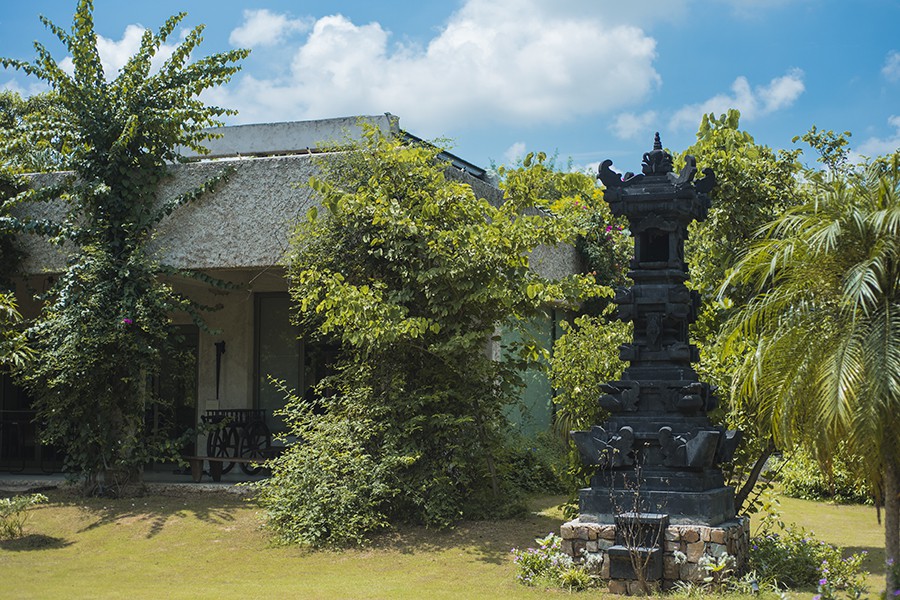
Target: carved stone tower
column 657, row 488
column 659, row 430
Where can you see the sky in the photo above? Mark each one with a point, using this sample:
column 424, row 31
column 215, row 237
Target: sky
column 584, row 80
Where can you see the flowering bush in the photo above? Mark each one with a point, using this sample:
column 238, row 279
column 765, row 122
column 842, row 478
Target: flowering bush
column 548, row 565
column 793, row 557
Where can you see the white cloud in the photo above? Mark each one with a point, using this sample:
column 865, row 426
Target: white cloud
column 514, row 153
column 879, row 146
column 33, row 87
column 891, row 68
column 514, row 61
column 780, row 93
column 629, row 126
column 264, row 28
column 114, row 54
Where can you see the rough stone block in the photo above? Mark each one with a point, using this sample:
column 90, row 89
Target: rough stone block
column 717, row 550
column 717, row 536
column 604, row 545
column 566, row 547
column 694, row 551
column 704, row 534
column 591, row 546
column 604, row 568
column 581, row 532
column 673, row 547
column 607, row 532
column 673, row 534
column 578, row 548
column 691, row 536
column 592, row 531
column 617, row 586
column 567, row 531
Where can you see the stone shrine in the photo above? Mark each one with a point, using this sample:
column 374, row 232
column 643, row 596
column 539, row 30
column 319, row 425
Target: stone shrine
column 657, row 457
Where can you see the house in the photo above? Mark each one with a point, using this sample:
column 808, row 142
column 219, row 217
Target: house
column 239, row 234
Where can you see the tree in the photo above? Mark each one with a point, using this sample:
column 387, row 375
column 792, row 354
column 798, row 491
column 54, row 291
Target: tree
column 755, row 184
column 24, row 141
column 100, row 335
column 823, row 325
column 410, row 274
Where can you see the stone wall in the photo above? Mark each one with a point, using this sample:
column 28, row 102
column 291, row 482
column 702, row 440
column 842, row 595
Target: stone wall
column 588, row 542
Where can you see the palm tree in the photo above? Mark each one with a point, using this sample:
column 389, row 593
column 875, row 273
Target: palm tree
column 820, row 339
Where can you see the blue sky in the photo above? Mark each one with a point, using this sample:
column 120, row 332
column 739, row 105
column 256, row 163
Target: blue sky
column 587, row 79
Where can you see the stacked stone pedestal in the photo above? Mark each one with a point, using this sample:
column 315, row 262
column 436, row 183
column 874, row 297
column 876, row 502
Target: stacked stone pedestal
column 589, row 543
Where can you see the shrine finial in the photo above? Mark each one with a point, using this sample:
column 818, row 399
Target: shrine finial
column 657, row 161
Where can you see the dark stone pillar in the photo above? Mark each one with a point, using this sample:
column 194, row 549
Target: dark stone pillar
column 658, row 453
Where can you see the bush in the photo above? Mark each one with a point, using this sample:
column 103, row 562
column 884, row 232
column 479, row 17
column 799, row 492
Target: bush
column 13, row 513
column 803, row 477
column 538, row 464
column 584, row 358
column 548, row 565
column 793, row 557
column 329, row 489
column 409, row 274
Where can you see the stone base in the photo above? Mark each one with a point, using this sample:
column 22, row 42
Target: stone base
column 708, row 507
column 589, row 542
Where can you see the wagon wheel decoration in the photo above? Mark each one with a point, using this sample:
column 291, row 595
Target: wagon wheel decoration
column 257, row 439
column 223, row 443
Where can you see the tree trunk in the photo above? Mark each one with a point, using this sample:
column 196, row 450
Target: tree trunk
column 892, row 522
column 741, row 497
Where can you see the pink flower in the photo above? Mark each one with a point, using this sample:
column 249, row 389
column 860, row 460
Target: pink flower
column 127, row 321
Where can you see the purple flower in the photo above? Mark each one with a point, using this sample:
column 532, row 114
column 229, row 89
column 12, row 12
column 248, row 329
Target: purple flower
column 896, row 593
column 127, row 321
column 817, row 597
column 823, row 581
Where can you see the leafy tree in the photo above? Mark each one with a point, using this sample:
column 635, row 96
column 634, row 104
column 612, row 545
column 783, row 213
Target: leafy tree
column 411, row 274
column 100, row 334
column 755, row 184
column 24, row 141
column 823, row 326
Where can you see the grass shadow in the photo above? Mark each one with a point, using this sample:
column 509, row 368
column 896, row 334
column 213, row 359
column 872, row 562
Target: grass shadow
column 34, row 541
column 156, row 510
column 488, row 541
column 874, row 562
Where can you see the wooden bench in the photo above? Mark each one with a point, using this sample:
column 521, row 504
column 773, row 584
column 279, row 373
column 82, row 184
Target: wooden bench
column 215, row 465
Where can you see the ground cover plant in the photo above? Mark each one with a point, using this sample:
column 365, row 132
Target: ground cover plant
column 210, row 545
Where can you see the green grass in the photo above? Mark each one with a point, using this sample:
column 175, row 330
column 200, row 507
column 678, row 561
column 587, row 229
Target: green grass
column 210, row 545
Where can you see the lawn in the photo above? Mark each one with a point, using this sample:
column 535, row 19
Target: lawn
column 209, row 545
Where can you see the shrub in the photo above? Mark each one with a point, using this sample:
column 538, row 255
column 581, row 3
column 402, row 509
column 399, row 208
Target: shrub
column 793, row 557
column 409, row 274
column 548, row 565
column 840, row 481
column 14, row 512
column 537, row 464
column 329, row 489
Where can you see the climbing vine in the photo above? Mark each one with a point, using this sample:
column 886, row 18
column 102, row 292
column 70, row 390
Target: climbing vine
column 105, row 324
